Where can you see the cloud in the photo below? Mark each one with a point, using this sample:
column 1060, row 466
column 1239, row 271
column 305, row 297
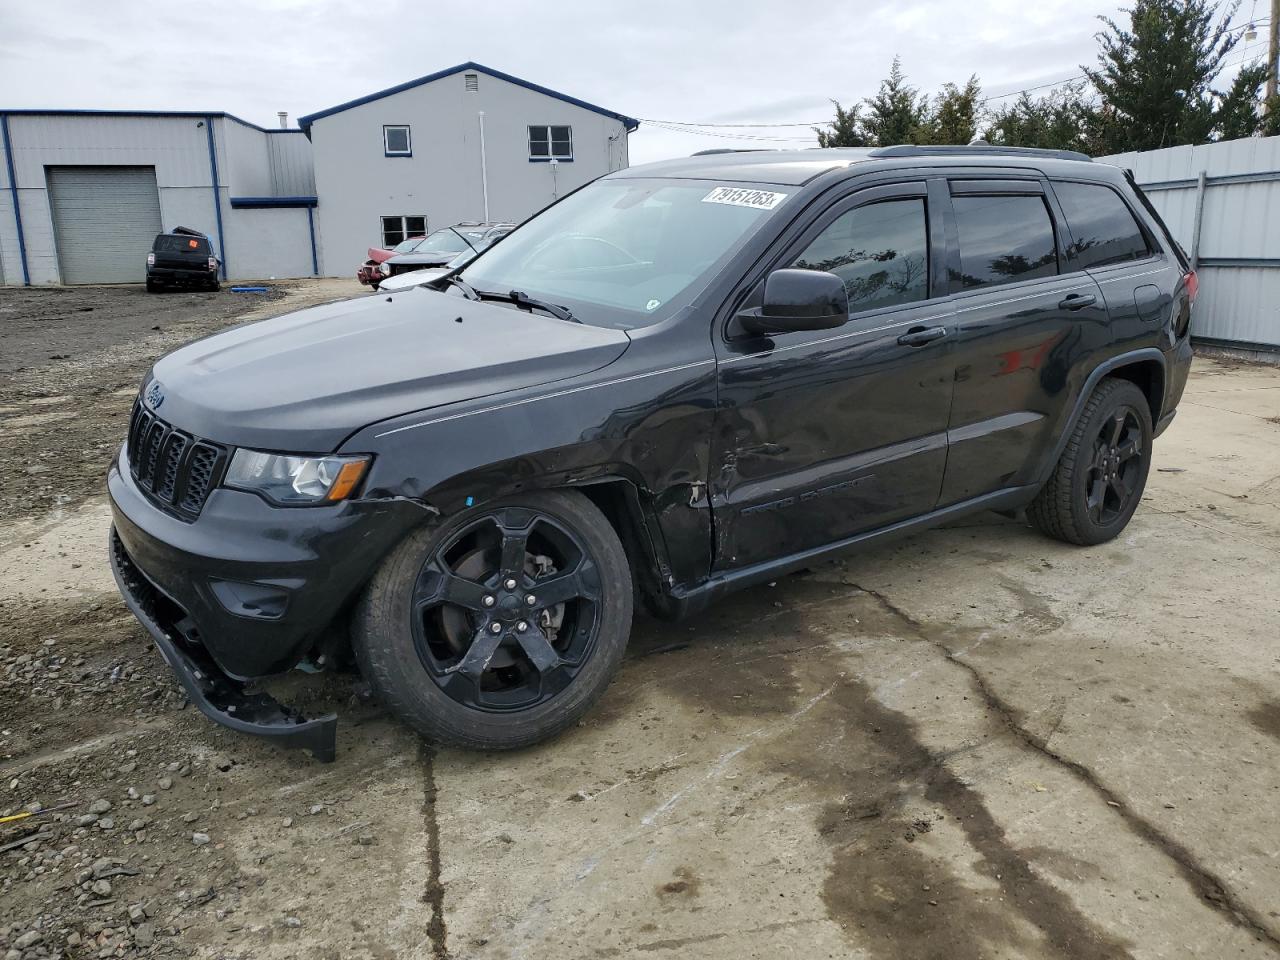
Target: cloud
column 711, row 61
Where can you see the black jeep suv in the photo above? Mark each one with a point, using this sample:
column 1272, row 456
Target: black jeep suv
column 183, row 257
column 680, row 380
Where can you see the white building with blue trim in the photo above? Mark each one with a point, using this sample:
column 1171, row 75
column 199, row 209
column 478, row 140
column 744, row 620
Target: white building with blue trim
column 83, row 192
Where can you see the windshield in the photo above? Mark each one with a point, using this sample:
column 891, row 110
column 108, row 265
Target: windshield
column 404, row 246
column 625, row 252
column 449, row 240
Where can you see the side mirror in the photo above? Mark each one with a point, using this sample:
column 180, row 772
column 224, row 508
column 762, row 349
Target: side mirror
column 797, row 300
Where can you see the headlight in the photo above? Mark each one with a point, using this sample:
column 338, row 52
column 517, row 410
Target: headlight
column 293, row 480
column 384, row 268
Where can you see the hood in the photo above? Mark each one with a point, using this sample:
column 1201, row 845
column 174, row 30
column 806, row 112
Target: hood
column 305, row 381
column 378, row 254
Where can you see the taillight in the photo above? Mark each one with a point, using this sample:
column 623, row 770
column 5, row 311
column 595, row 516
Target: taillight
column 151, row 259
column 213, row 263
column 1193, row 285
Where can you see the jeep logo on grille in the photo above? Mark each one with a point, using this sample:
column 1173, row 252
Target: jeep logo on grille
column 155, row 395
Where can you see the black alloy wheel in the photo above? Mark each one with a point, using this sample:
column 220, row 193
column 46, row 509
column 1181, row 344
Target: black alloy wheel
column 506, row 610
column 501, row 626
column 1098, row 481
column 1113, row 475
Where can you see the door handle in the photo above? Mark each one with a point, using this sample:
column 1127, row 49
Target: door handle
column 1077, row 301
column 919, row 336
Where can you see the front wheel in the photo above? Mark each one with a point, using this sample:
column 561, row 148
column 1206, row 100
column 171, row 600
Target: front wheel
column 1099, row 479
column 502, row 627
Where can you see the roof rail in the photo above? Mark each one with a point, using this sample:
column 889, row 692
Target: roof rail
column 983, row 150
column 718, row 150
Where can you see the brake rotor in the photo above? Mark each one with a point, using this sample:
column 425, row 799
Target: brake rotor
column 456, row 625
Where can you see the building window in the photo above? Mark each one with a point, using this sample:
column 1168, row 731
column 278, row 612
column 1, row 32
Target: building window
column 399, row 229
column 396, row 142
column 550, row 143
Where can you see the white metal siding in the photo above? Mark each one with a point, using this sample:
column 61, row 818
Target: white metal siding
column 104, row 221
column 291, row 171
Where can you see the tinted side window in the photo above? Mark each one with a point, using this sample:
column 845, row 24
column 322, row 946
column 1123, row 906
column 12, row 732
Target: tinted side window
column 1004, row 239
column 880, row 251
column 1102, row 228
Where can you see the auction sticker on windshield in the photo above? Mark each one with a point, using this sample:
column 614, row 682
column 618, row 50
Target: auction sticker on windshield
column 743, row 197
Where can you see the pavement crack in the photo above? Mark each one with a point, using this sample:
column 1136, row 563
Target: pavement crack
column 1203, row 880
column 433, row 895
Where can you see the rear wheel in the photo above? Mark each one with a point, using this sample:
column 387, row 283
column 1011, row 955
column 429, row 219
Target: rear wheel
column 501, row 628
column 215, row 286
column 1099, row 480
column 152, row 286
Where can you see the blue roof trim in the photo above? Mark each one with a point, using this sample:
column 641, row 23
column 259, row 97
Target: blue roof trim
column 304, row 123
column 195, row 114
column 273, row 201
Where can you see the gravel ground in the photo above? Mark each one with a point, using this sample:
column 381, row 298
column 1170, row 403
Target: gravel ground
column 976, row 743
column 71, row 364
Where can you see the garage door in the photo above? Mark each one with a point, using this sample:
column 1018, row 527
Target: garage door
column 104, row 220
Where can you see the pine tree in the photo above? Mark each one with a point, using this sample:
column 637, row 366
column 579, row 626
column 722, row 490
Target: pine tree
column 957, row 111
column 1062, row 119
column 846, row 129
column 897, row 113
column 1154, row 78
column 1237, row 113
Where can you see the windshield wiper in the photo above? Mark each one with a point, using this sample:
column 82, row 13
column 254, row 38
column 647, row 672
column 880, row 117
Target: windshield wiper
column 522, row 299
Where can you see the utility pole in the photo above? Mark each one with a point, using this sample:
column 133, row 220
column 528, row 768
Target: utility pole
column 1273, row 50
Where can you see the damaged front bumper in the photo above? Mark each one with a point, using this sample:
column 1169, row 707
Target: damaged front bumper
column 248, row 591
column 221, row 698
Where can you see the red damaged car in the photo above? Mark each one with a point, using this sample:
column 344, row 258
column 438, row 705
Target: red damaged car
column 368, row 271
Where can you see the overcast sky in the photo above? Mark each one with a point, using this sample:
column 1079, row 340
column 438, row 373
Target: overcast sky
column 706, row 61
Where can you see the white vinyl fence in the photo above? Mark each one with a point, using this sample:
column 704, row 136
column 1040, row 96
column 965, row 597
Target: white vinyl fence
column 1222, row 203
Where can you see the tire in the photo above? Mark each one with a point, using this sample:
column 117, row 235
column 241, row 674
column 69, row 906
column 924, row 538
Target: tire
column 412, row 640
column 152, row 286
column 214, row 286
column 1098, row 482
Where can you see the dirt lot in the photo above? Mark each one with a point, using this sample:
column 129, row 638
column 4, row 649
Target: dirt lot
column 977, row 743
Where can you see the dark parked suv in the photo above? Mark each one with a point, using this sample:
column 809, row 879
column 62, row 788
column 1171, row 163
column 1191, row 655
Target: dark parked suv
column 182, row 257
column 680, row 380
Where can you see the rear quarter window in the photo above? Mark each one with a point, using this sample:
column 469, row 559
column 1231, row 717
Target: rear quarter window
column 1103, row 230
column 1003, row 239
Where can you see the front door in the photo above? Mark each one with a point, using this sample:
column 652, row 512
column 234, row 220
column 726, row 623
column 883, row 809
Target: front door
column 822, row 435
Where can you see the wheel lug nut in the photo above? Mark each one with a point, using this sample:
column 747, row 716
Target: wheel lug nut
column 495, row 628
column 531, row 600
column 510, row 584
column 521, row 627
column 488, row 601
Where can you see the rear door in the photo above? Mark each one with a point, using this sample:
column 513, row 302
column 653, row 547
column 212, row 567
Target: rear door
column 1024, row 322
column 1107, row 240
column 825, row 434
